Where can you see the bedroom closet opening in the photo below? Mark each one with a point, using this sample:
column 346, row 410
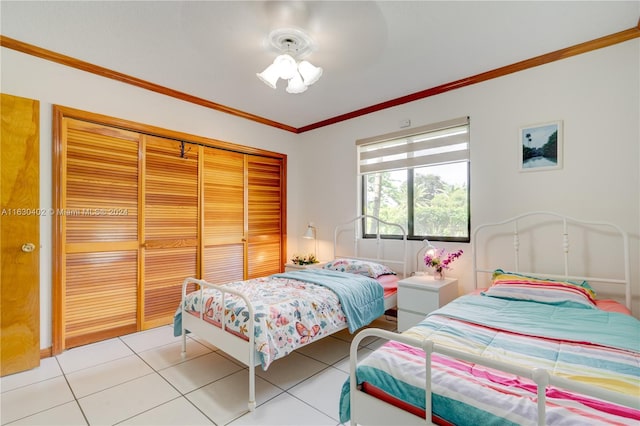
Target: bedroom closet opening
column 139, row 209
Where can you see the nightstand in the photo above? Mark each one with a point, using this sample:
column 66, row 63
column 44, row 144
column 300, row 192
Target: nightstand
column 288, row 267
column 420, row 295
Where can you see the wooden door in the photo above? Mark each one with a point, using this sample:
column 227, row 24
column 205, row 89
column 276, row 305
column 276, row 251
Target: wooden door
column 97, row 215
column 224, row 225
column 170, row 237
column 20, row 235
column 266, row 217
column 140, row 213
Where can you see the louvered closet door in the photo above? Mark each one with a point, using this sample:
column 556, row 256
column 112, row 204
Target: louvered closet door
column 99, row 221
column 170, row 233
column 265, row 216
column 224, row 216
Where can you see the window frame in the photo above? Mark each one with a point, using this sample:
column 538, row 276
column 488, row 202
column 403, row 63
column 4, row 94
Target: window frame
column 410, row 170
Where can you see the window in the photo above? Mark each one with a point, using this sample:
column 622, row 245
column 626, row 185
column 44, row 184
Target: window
column 419, row 178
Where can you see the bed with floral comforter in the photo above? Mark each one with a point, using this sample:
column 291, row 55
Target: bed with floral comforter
column 290, row 309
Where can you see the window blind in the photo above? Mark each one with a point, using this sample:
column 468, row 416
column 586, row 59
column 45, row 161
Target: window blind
column 433, row 144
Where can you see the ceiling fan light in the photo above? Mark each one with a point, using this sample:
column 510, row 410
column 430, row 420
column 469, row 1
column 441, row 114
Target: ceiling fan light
column 310, row 73
column 270, row 75
column 286, row 66
column 292, row 45
column 296, row 85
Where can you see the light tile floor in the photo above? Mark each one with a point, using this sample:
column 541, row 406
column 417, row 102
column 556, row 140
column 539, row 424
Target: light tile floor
column 142, row 379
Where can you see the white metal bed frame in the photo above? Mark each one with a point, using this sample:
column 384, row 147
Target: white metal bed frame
column 566, row 220
column 357, row 237
column 369, row 410
column 398, row 265
column 244, row 350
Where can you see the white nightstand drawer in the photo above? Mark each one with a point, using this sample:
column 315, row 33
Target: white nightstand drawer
column 413, row 299
column 407, row 320
column 421, row 295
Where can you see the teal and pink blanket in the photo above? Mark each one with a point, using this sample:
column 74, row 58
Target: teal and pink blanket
column 587, row 345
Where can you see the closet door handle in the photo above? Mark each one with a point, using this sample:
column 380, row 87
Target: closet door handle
column 28, row 247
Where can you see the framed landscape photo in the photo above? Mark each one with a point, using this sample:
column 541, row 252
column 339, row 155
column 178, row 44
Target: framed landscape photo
column 540, row 147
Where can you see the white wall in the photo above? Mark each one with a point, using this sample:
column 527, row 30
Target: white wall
column 50, row 83
column 597, row 95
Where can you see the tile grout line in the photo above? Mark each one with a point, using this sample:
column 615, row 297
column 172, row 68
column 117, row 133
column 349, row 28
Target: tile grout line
column 75, row 398
column 157, row 372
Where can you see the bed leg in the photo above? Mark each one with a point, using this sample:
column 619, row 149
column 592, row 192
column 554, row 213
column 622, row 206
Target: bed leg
column 184, row 343
column 252, row 387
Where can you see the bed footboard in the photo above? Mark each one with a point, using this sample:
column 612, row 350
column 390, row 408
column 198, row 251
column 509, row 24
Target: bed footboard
column 368, row 410
column 239, row 348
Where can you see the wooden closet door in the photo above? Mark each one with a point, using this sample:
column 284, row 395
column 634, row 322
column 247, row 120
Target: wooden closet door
column 266, row 189
column 97, row 215
column 224, row 242
column 170, row 233
column 137, row 214
column 19, row 227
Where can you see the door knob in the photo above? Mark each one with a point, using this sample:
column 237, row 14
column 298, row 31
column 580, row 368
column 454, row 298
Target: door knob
column 28, row 247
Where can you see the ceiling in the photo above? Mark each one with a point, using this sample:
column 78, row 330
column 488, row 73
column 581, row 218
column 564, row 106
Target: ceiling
column 371, row 52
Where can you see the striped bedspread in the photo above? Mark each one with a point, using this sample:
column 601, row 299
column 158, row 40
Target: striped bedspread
column 464, row 393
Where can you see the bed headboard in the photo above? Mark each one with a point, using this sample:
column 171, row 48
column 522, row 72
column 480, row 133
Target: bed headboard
column 564, row 243
column 391, row 252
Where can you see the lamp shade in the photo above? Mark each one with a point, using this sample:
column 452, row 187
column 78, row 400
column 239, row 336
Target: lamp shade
column 426, row 249
column 310, row 73
column 430, row 249
column 286, row 65
column 296, row 85
column 310, row 233
column 270, row 75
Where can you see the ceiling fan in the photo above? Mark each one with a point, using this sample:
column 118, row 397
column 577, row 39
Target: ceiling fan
column 325, row 32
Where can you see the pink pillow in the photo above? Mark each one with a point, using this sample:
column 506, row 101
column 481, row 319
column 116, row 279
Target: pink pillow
column 516, row 286
column 612, row 306
column 388, row 281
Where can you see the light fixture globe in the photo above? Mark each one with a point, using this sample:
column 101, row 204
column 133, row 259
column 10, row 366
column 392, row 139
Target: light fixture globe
column 310, row 73
column 270, row 76
column 296, row 85
column 286, row 66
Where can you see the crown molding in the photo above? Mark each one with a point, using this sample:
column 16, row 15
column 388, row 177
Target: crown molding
column 557, row 55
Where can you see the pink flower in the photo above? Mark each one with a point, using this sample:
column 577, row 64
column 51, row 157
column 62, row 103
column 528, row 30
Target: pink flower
column 439, row 261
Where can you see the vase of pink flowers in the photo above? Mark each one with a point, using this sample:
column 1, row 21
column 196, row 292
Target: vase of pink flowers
column 440, row 260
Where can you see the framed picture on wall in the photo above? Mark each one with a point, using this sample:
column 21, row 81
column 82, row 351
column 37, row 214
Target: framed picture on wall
column 540, row 147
